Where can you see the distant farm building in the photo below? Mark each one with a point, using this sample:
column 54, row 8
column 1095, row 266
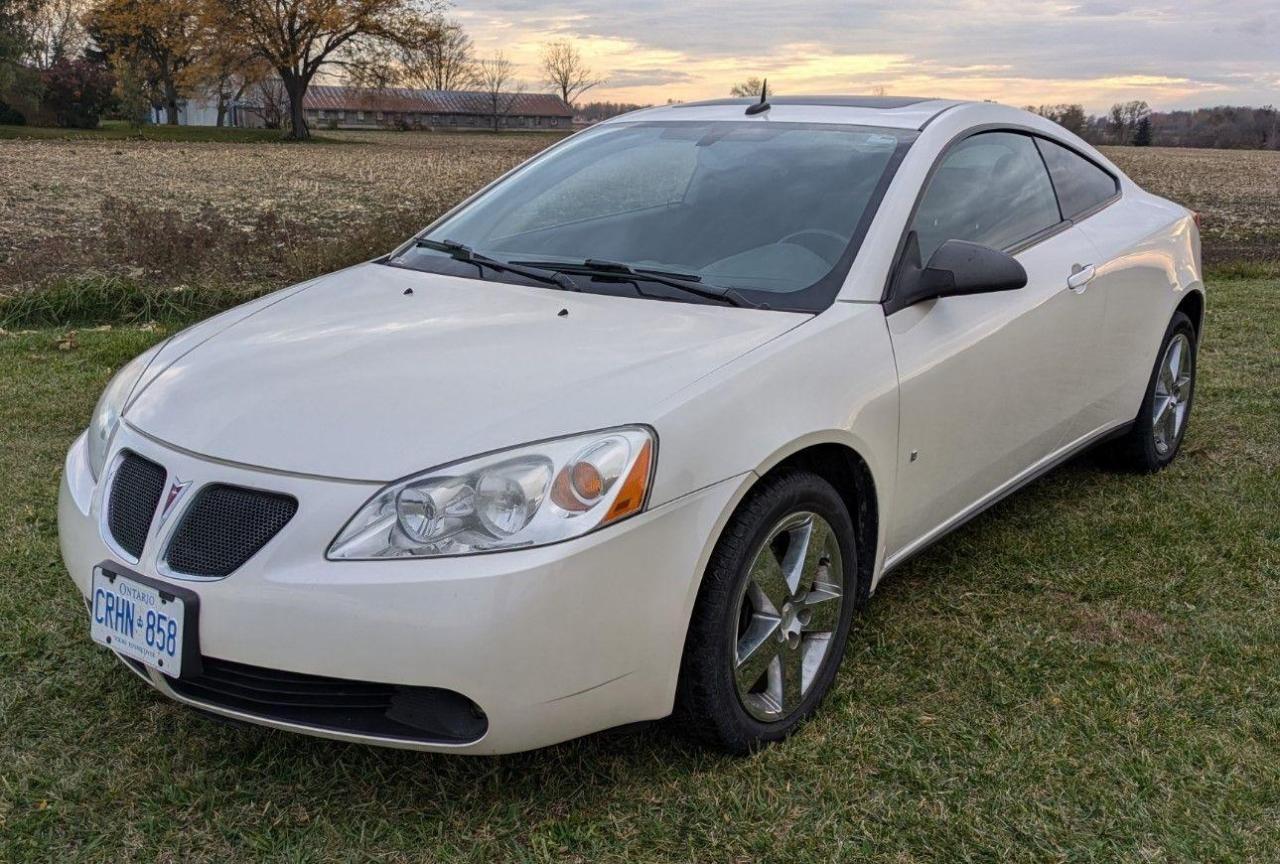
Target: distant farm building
column 334, row 107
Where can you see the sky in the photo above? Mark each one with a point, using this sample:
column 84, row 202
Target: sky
column 1021, row 52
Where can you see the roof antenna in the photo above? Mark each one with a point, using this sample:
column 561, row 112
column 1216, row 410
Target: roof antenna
column 761, row 106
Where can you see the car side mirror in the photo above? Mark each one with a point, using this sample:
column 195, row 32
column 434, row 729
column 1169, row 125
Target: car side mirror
column 956, row 268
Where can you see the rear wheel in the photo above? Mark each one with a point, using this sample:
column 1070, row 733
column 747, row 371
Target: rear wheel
column 772, row 616
column 1157, row 434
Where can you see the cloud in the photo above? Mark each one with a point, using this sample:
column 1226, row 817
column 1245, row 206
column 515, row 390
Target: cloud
column 1032, row 51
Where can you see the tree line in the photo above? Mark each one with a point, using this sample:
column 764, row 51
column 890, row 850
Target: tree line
column 69, row 61
column 1135, row 124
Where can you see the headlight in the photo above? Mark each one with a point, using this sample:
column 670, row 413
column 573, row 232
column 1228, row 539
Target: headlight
column 106, row 414
column 513, row 499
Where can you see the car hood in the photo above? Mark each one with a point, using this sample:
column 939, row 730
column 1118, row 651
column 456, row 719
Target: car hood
column 377, row 372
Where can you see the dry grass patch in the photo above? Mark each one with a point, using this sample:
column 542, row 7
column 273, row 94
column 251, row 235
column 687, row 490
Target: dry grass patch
column 64, row 192
column 1236, row 191
column 82, row 219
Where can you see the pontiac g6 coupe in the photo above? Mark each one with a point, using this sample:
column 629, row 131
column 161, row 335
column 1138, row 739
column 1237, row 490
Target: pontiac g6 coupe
column 634, row 430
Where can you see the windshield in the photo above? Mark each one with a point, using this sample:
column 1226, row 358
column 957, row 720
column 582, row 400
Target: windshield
column 771, row 211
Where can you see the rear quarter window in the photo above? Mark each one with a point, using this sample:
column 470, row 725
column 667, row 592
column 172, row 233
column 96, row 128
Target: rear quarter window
column 1080, row 184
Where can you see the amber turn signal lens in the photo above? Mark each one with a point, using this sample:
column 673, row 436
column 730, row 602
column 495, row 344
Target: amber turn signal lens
column 587, row 482
column 634, row 489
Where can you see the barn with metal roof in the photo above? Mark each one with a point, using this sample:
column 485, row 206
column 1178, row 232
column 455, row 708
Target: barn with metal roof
column 335, row 107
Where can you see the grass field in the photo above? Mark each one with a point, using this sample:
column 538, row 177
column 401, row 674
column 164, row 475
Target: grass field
column 93, row 215
column 219, row 215
column 1089, row 672
column 1086, row 673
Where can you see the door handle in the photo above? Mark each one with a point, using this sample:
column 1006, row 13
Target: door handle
column 1081, row 277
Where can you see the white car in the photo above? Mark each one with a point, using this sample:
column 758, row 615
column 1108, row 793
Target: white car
column 633, row 430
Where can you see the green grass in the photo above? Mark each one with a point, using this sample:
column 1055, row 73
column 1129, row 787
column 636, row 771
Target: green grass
column 114, row 130
column 89, row 298
column 1090, row 672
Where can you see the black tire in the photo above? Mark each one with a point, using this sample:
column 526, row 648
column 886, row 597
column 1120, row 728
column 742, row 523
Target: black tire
column 1138, row 450
column 708, row 701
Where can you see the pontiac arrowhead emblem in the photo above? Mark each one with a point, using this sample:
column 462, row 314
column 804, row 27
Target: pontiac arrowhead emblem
column 176, row 490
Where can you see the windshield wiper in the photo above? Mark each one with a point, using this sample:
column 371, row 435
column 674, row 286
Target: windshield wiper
column 687, row 282
column 462, row 252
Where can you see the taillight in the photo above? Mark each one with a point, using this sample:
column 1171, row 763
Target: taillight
column 1195, row 216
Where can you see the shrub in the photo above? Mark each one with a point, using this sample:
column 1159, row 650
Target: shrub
column 10, row 116
column 76, row 92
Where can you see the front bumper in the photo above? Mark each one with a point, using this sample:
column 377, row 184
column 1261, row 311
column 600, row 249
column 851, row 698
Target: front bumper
column 551, row 643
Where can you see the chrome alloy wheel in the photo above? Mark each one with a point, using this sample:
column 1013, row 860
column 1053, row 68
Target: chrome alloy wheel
column 1172, row 395
column 788, row 613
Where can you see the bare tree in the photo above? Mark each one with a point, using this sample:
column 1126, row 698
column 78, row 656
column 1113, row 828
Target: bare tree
column 751, row 87
column 56, row 31
column 440, row 57
column 272, row 102
column 565, row 70
column 496, row 76
column 1124, row 119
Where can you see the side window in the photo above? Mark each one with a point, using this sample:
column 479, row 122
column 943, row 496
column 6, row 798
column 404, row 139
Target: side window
column 1081, row 185
column 991, row 189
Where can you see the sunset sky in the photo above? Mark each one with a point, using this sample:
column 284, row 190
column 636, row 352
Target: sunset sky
column 1172, row 54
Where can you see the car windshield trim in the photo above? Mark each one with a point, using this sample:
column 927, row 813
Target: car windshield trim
column 811, row 298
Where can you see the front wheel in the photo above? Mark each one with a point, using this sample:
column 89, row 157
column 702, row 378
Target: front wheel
column 1157, row 434
column 772, row 616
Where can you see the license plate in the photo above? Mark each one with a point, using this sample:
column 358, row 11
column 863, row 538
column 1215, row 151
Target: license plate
column 145, row 622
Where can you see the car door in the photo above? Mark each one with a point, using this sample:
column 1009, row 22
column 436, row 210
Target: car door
column 989, row 384
column 1086, row 192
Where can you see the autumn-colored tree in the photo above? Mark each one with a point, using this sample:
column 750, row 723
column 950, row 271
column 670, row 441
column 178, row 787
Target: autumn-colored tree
column 1069, row 116
column 439, row 57
column 133, row 91
column 160, row 36
column 76, row 92
column 224, row 69
column 565, row 70
column 298, row 38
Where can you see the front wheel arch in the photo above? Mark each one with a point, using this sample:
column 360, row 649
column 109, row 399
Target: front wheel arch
column 1192, row 306
column 845, row 469
column 709, row 698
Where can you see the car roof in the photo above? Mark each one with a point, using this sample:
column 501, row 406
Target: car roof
column 893, row 112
